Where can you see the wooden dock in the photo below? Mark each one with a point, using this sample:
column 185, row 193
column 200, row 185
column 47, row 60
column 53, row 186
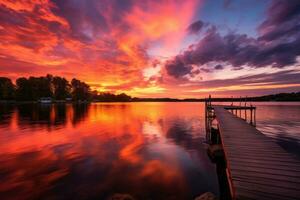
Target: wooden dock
column 256, row 167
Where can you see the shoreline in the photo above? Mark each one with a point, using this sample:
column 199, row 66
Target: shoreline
column 133, row 101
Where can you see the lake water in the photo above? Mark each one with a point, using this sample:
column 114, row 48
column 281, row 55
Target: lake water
column 146, row 150
column 281, row 122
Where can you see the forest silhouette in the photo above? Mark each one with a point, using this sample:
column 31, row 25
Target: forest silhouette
column 54, row 87
column 60, row 89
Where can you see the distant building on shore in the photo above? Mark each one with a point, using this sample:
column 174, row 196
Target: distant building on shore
column 45, row 100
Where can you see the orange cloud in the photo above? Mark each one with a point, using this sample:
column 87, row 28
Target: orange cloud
column 67, row 39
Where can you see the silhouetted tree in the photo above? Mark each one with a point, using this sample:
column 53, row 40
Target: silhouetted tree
column 24, row 91
column 123, row 97
column 108, row 97
column 34, row 88
column 61, row 88
column 7, row 89
column 80, row 90
column 40, row 86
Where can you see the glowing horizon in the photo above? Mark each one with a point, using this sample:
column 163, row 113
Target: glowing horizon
column 166, row 48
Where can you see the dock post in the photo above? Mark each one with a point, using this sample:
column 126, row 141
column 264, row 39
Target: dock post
column 251, row 115
column 255, row 117
column 209, row 101
column 240, row 106
column 245, row 109
column 206, row 114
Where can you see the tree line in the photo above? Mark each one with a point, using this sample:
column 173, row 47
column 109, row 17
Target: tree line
column 55, row 87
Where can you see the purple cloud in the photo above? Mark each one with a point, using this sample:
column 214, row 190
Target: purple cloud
column 195, row 27
column 218, row 67
column 177, row 68
column 282, row 22
column 278, row 44
column 84, row 17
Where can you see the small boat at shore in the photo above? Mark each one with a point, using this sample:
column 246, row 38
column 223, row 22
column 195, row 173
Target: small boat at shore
column 45, row 100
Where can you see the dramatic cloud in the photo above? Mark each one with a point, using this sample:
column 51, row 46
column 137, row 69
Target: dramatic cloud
column 195, row 27
column 146, row 48
column 278, row 44
column 219, row 67
column 107, row 40
column 283, row 20
column 177, row 68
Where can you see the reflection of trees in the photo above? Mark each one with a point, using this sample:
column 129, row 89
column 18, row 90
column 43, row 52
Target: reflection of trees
column 43, row 115
column 37, row 114
column 5, row 113
column 33, row 113
column 80, row 112
column 60, row 114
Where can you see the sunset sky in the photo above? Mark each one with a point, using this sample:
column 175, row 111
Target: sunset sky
column 156, row 48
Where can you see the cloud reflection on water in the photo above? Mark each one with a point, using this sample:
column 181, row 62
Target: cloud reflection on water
column 148, row 150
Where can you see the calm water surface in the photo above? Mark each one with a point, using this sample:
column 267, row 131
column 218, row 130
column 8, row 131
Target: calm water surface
column 147, row 150
column 281, row 122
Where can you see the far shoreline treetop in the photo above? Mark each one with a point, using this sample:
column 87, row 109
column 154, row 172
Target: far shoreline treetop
column 60, row 89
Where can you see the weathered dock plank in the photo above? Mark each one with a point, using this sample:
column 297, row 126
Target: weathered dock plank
column 257, row 167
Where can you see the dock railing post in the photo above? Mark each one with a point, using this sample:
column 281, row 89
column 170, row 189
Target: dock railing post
column 255, row 117
column 251, row 115
column 246, row 109
column 205, row 114
column 240, row 106
column 208, row 118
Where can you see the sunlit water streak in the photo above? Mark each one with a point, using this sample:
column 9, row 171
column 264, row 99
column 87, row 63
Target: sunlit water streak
column 147, row 150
